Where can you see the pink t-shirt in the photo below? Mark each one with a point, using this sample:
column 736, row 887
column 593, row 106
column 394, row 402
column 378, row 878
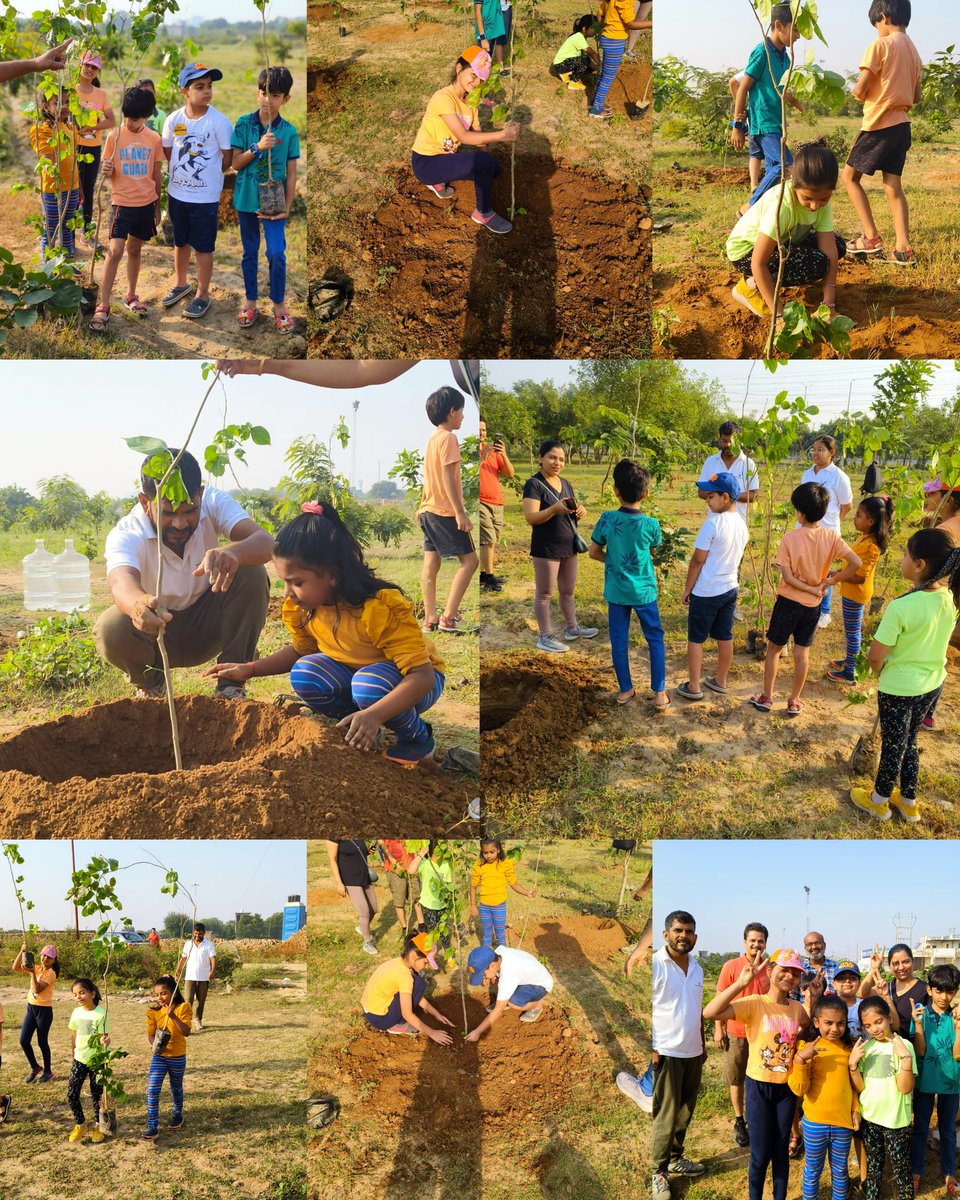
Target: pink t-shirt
column 808, row 552
column 133, row 184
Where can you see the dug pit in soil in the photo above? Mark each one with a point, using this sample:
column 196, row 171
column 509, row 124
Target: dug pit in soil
column 249, row 770
column 574, row 941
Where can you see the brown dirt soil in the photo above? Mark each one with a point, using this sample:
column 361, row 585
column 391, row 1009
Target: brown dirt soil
column 597, row 939
column 629, row 88
column 527, row 701
column 249, row 770
column 384, row 34
column 326, row 12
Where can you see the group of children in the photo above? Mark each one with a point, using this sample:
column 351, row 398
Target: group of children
column 801, row 221
column 198, row 144
column 617, row 27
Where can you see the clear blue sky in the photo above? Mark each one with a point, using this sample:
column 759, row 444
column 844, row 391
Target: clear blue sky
column 231, row 877
column 207, row 10
column 856, row 889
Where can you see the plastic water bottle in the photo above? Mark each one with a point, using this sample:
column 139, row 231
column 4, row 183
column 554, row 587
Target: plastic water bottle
column 39, row 580
column 72, row 571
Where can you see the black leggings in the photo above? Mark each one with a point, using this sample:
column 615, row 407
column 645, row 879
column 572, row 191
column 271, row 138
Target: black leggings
column 578, row 67
column 88, row 172
column 37, row 1019
column 804, row 263
column 900, row 721
column 477, row 165
column 878, row 1142
column 78, row 1073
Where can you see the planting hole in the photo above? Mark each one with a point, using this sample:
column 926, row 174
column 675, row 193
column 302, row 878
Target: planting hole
column 506, row 703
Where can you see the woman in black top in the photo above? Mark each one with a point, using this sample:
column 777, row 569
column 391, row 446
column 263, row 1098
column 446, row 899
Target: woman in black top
column 351, row 877
column 552, row 510
column 903, row 991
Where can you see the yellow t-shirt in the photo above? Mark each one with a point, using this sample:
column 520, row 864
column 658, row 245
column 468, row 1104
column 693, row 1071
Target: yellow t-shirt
column 824, row 1084
column 443, row 450
column 96, row 102
column 387, row 980
column 492, row 879
column 615, row 18
column 869, row 554
column 58, row 156
column 45, row 998
column 383, row 630
column 157, row 1019
column 772, row 1031
column 434, row 135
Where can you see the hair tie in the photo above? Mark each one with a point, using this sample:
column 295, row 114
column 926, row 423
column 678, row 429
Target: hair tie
column 313, row 506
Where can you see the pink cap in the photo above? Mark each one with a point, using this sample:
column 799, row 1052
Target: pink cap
column 933, row 487
column 788, row 959
column 90, row 58
column 480, row 61
column 49, row 951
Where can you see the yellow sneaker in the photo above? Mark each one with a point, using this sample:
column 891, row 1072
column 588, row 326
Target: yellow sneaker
column 96, row 1135
column 906, row 808
column 862, row 798
column 574, row 86
column 750, row 299
column 76, row 1133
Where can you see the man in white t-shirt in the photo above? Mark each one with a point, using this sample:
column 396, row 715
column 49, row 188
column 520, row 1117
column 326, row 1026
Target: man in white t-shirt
column 516, row 980
column 199, row 956
column 214, row 598
column 732, row 459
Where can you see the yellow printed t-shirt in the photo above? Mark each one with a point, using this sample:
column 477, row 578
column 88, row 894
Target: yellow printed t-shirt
column 772, row 1031
column 796, row 222
column 383, row 630
column 824, row 1084
column 57, row 147
column 96, row 100
column 434, row 135
column 134, row 157
column 492, row 880
column 618, row 13
column 808, row 553
column 45, row 998
column 443, row 450
column 387, row 981
column 157, row 1019
column 868, row 552
column 895, row 66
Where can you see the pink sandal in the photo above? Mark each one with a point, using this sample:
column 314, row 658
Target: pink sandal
column 284, row 322
column 100, row 319
column 866, row 245
column 247, row 315
column 135, row 305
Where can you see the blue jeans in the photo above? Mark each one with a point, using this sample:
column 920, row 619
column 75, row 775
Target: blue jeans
column 613, row 51
column 769, row 1109
column 275, row 241
column 825, row 602
column 946, row 1123
column 618, row 616
column 770, row 145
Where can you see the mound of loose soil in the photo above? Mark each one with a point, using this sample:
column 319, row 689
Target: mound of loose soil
column 531, row 708
column 570, row 940
column 248, row 770
column 327, row 12
column 629, row 88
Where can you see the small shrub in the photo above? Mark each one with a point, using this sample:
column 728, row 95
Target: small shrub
column 56, row 654
column 249, row 978
column 839, row 141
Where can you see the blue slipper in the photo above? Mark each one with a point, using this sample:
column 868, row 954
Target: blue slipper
column 196, row 308
column 410, row 753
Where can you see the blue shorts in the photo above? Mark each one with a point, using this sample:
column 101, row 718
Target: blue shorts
column 526, row 993
column 711, row 617
column 194, row 224
column 756, row 147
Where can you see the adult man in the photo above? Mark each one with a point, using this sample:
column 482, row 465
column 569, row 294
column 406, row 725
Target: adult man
column 731, row 458
column 214, row 597
column 200, row 958
column 731, row 1036
column 515, row 979
column 51, row 60
column 816, row 959
column 494, row 462
column 404, row 887
column 153, row 938
column 679, row 1049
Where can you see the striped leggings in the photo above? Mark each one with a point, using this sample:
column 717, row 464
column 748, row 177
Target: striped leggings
column 52, row 202
column 852, row 622
column 819, row 1141
column 78, row 1073
column 159, row 1068
column 613, row 51
column 493, row 921
column 335, row 690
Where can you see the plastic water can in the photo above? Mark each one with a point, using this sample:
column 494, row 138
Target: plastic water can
column 39, row 580
column 72, row 570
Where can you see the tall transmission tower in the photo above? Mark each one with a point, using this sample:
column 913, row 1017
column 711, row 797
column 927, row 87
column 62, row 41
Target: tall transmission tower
column 903, row 923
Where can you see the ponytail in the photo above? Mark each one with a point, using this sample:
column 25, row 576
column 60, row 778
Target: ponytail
column 89, row 986
column 880, row 510
column 937, row 549
column 319, row 540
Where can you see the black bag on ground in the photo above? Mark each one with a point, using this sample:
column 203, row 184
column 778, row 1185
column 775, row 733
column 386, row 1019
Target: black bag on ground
column 872, row 480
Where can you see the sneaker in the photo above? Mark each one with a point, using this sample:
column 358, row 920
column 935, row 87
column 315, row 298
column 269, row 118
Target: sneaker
column 96, row 1135
column 176, row 1123
column 156, row 691
column 633, row 1087
column 408, row 753
column 928, row 722
column 174, row 296
column 531, row 1015
column 403, row 1029
column 198, row 1026
column 686, row 692
column 630, row 55
column 148, row 1135
column 605, row 115
column 740, row 1135
column 490, row 583
column 4, row 1108
column 35, row 1074
column 906, row 808
column 842, row 675
column 443, row 190
column 573, row 86
column 661, row 1187
column 710, row 681
column 551, row 643
column 581, row 631
column 824, row 620
column 738, row 613
column 750, row 299
column 862, row 798
column 686, row 1167
column 492, row 221
column 230, row 691
column 370, row 948
column 76, row 1133
column 46, row 1077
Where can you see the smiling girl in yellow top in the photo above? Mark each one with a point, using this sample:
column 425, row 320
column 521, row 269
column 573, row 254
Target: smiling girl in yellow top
column 358, row 653
column 492, row 874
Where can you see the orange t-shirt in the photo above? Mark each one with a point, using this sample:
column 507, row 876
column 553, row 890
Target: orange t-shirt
column 135, row 156
column 808, row 553
column 443, row 449
column 491, row 464
column 43, row 999
column 97, row 101
column 895, row 66
column 952, row 526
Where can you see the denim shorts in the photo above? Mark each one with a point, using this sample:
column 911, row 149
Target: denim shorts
column 194, row 224
column 711, row 617
column 789, row 619
column 756, row 148
column 527, row 993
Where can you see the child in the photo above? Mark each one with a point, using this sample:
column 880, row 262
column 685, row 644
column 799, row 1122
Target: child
column 39, row 1015
column 132, row 164
column 435, row 873
column 491, row 875
column 831, row 1110
column 642, row 12
column 889, row 85
column 551, row 509
column 168, row 1026
column 947, row 506
column 357, row 654
column 909, row 655
column 451, row 120
column 936, row 1031
column 811, row 247
column 622, row 540
column 196, row 144
column 89, row 1029
column 846, row 982
column 93, row 98
column 804, row 559
column 443, row 515
column 4, row 1100
column 490, row 28
column 882, row 1070
column 515, row 978
column 762, row 90
column 824, row 470
column 265, row 147
column 575, row 60
column 618, row 21
column 54, row 137
column 872, row 523
column 156, row 119
column 393, row 999
column 752, row 140
column 404, row 887
column 712, row 584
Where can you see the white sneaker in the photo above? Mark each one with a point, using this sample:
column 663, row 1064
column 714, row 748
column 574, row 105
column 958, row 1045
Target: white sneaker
column 551, row 643
column 824, row 621
column 661, row 1187
column 581, row 631
column 370, row 948
column 631, row 1086
column 198, row 1027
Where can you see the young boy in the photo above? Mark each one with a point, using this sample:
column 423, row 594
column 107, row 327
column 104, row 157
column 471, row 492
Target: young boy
column 889, row 85
column 196, row 144
column 266, row 147
column 762, row 89
column 712, row 584
column 442, row 515
column 515, row 979
column 158, row 116
column 131, row 161
column 4, row 1100
column 935, row 1028
column 622, row 541
column 804, row 559
column 755, row 152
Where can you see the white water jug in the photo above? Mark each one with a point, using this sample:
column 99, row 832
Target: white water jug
column 72, row 570
column 39, row 580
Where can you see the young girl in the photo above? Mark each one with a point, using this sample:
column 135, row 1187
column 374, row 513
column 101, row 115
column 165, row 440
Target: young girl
column 436, row 884
column 909, row 654
column 492, row 873
column 882, row 1071
column 936, row 1031
column 819, row 1076
column 168, row 1015
column 575, row 60
column 806, row 231
column 93, row 98
column 54, row 137
column 824, row 470
column 89, row 1029
column 872, row 523
column 552, row 510
column 350, row 873
column 451, row 121
column 158, row 116
column 946, row 505
column 393, row 1000
column 358, row 653
column 39, row 1015
column 618, row 21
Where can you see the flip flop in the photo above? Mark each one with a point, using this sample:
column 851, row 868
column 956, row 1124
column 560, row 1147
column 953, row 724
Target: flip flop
column 247, row 315
column 710, row 681
column 662, row 708
column 628, row 699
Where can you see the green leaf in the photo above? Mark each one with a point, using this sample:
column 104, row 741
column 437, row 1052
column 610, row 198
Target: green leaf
column 38, row 295
column 148, row 445
column 260, row 436
column 25, row 317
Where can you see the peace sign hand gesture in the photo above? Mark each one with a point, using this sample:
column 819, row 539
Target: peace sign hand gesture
column 817, row 986
column 810, row 1052
column 859, row 1048
column 899, row 1047
column 752, row 971
column 876, row 959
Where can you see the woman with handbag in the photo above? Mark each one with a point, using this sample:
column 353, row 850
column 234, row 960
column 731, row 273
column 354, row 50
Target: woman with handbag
column 552, row 510
column 352, row 876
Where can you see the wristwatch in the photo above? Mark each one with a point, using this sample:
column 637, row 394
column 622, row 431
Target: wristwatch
column 255, row 150
column 741, row 125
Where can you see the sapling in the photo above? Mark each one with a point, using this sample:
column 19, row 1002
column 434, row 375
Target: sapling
column 273, row 199
column 11, row 852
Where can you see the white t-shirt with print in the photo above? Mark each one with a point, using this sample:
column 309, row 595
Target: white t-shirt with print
column 198, row 959
column 517, row 968
column 724, row 537
column 196, row 161
column 837, row 483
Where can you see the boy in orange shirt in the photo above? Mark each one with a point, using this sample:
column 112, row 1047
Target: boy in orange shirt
column 133, row 154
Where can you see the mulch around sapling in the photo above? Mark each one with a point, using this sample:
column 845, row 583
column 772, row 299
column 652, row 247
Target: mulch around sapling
column 249, row 770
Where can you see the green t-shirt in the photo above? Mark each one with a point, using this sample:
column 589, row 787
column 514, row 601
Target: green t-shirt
column 574, row 46
column 434, row 877
column 939, row 1070
column 917, row 628
column 247, row 131
column 628, row 575
column 88, row 1024
column 764, row 107
column 881, row 1101
column 796, row 222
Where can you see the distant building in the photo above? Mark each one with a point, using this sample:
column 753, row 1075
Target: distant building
column 934, row 951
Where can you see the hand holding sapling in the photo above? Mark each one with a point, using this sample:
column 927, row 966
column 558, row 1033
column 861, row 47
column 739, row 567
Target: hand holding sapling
column 150, row 615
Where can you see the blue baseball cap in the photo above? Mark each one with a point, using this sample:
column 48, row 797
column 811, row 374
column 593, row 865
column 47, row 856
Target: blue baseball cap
column 478, row 960
column 846, row 967
column 723, row 481
column 194, row 71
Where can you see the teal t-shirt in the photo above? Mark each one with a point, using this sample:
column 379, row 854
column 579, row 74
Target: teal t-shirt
column 766, row 115
column 939, row 1070
column 628, row 575
column 917, row 627
column 494, row 25
column 881, row 1101
column 247, row 131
